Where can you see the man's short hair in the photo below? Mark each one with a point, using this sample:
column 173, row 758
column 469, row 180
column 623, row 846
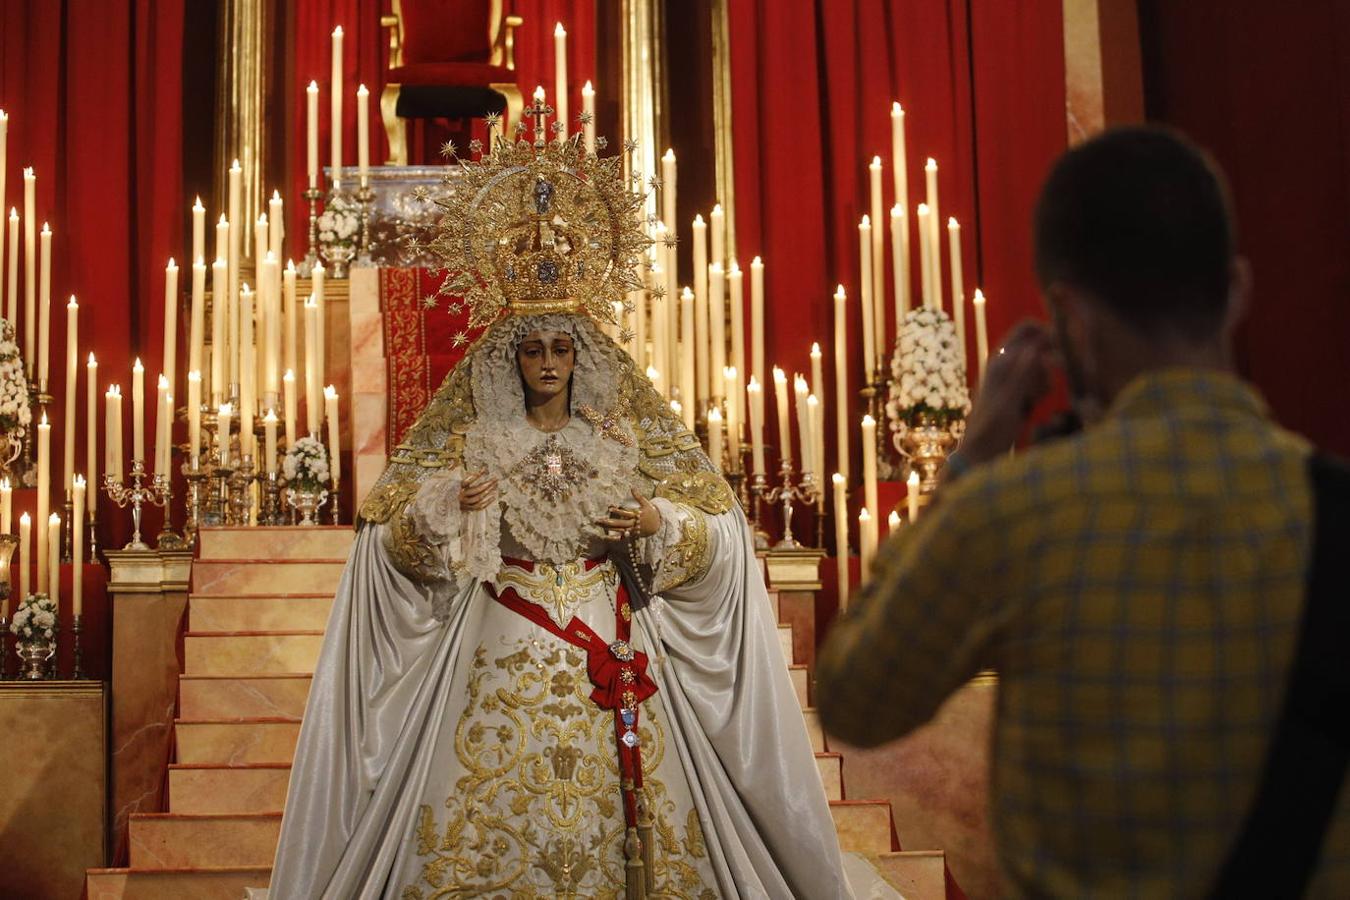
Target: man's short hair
column 1140, row 219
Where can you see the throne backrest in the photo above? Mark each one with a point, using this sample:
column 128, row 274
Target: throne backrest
column 436, row 31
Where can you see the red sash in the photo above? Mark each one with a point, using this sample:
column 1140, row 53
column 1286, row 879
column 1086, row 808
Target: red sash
column 618, row 672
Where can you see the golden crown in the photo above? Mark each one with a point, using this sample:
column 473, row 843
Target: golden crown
column 541, row 226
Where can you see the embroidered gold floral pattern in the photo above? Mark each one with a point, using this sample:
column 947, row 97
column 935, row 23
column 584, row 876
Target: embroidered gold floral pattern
column 536, row 813
column 560, row 590
column 689, row 558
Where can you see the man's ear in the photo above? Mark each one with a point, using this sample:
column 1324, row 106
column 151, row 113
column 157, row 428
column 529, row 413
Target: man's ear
column 1239, row 293
column 1069, row 312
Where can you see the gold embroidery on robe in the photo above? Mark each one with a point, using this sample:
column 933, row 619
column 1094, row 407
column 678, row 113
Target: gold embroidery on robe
column 537, row 812
column 690, row 557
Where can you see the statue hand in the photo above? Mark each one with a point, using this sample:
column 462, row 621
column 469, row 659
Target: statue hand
column 644, row 521
column 478, row 491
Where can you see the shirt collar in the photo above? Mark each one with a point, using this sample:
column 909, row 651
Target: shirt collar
column 1163, row 392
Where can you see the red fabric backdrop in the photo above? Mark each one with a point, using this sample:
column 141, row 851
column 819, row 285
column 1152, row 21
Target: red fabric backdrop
column 366, row 59
column 982, row 85
column 93, row 92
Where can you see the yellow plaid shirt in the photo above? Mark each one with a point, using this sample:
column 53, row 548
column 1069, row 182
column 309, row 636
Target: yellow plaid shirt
column 1138, row 588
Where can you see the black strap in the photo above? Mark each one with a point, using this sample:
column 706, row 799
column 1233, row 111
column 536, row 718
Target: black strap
column 1277, row 850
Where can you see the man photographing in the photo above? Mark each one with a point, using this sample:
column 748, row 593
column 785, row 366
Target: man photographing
column 1144, row 587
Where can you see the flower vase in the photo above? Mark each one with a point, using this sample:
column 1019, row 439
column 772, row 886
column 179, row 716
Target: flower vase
column 11, row 446
column 34, row 656
column 339, row 257
column 927, row 443
column 306, row 500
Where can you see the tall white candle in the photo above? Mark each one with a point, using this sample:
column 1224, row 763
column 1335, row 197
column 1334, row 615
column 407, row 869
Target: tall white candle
column 219, row 315
column 4, row 167
column 841, row 554
column 335, row 111
column 44, row 481
column 867, row 544
column 800, row 392
column 224, row 415
column 688, row 394
column 161, row 426
column 958, row 288
column 981, row 331
column 45, row 309
column 934, row 226
column 865, row 287
column 194, row 411
column 899, row 265
column 841, row 367
column 818, row 389
column 912, row 495
column 717, row 325
column 53, row 560
column 112, row 420
column 236, row 236
column 291, row 313
column 869, row 455
column 270, row 340
column 29, row 269
column 170, row 320
column 198, row 230
column 290, row 412
column 731, row 391
column 588, row 113
column 312, row 133
column 362, row 135
column 755, row 392
column 877, row 211
column 312, row 407
column 668, row 208
column 560, row 78
column 25, row 554
column 270, row 442
column 276, row 218
column 77, row 552
column 330, row 410
column 925, row 256
column 138, row 411
column 813, row 428
column 736, row 292
column 901, row 178
column 717, row 234
column 91, row 430
column 780, row 393
column 6, row 506
column 715, row 437
column 702, row 361
column 12, row 294
column 72, row 382
column 197, row 320
column 757, row 319
column 248, row 368
column 317, row 280
column 660, row 337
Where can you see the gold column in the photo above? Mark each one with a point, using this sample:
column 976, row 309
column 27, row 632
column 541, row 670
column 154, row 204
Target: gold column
column 722, row 133
column 244, row 55
column 643, row 88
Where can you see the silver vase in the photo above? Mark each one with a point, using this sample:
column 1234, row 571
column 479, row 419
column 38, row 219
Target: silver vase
column 33, row 656
column 305, row 501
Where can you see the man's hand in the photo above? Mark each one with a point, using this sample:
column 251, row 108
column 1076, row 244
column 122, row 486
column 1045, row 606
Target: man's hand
column 644, row 521
column 1016, row 377
column 476, row 492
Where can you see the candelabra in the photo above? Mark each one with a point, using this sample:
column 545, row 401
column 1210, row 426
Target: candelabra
column 196, row 478
column 136, row 494
column 365, row 196
column 240, row 494
column 335, row 510
column 68, row 530
column 168, row 539
column 313, row 195
column 271, row 512
column 76, row 627
column 93, row 530
column 759, row 485
column 789, row 494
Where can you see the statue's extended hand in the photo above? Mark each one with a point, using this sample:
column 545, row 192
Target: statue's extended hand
column 644, row 521
column 476, row 492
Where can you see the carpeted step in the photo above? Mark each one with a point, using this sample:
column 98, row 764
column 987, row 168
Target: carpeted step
column 251, row 653
column 258, row 612
column 243, row 696
column 287, row 542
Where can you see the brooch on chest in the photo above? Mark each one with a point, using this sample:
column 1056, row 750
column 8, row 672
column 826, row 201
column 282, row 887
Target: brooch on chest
column 552, row 471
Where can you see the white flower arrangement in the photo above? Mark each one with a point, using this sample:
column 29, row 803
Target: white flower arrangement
column 306, row 464
column 340, row 222
column 35, row 619
column 928, row 375
column 16, row 413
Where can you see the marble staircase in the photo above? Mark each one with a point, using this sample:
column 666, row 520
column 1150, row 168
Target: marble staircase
column 258, row 605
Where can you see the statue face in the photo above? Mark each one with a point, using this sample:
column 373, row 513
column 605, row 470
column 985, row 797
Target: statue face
column 546, row 360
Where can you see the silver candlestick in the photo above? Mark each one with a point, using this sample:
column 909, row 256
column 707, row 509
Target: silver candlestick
column 136, row 494
column 306, row 268
column 789, row 495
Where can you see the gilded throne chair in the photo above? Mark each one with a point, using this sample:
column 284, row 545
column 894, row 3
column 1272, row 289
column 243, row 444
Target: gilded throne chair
column 450, row 59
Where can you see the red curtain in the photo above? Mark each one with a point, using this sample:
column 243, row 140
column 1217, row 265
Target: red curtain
column 982, row 85
column 94, row 97
column 366, row 59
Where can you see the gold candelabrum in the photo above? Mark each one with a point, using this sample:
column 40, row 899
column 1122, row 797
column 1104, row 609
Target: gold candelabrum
column 789, row 494
column 306, row 269
column 365, row 196
column 136, row 493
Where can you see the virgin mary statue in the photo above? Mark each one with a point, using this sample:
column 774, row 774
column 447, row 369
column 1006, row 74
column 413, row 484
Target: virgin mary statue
column 550, row 669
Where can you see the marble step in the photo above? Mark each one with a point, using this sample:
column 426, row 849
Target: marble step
column 255, row 697
column 917, row 874
column 232, row 577
column 252, row 653
column 227, row 742
column 814, row 730
column 225, row 883
column 863, row 826
column 174, row 841
column 785, row 641
column 293, row 542
column 831, row 768
column 225, row 790
column 800, row 678
column 259, row 612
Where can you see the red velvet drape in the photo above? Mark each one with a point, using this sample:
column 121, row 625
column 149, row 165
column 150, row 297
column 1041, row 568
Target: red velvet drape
column 93, row 91
column 982, row 85
column 366, row 59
